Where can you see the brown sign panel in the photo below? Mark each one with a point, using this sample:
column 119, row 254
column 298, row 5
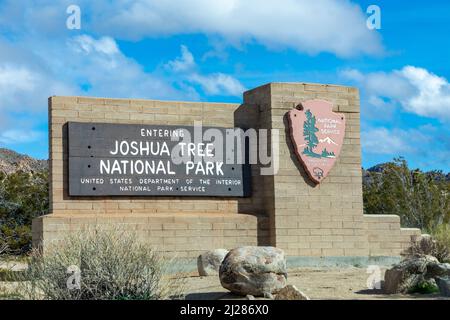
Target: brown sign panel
column 147, row 160
column 317, row 134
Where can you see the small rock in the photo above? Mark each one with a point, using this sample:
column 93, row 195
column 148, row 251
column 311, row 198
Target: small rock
column 208, row 263
column 291, row 292
column 254, row 270
column 444, row 286
column 250, row 297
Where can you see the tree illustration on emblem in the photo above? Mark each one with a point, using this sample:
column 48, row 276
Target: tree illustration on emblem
column 309, row 134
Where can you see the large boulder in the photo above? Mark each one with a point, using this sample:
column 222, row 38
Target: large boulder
column 407, row 274
column 257, row 271
column 208, row 263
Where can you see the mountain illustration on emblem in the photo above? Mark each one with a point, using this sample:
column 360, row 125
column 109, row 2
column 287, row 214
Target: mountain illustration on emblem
column 328, row 140
column 309, row 134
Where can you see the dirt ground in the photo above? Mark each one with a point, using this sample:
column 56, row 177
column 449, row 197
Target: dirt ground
column 316, row 283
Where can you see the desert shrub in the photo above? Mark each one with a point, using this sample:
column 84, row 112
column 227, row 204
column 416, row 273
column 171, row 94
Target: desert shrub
column 441, row 235
column 434, row 246
column 17, row 238
column 99, row 264
column 421, row 199
column 23, row 197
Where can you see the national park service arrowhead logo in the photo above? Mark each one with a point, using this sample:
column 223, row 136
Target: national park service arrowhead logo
column 317, row 134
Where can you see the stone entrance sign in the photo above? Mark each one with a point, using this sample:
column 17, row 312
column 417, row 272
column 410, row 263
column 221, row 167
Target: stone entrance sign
column 149, row 160
column 317, row 134
column 102, row 173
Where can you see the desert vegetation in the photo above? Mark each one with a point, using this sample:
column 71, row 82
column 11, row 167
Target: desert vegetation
column 23, row 196
column 99, row 264
column 421, row 199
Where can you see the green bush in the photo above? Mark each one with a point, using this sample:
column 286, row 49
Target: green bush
column 425, row 287
column 421, row 199
column 441, row 235
column 427, row 245
column 110, row 265
column 23, row 197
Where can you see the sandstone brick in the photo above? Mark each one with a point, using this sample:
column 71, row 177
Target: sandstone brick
column 332, row 252
column 173, row 226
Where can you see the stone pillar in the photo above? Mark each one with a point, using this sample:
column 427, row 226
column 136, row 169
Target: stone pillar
column 305, row 218
column 325, row 219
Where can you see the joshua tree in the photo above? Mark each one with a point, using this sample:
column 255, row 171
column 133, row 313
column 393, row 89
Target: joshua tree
column 309, row 133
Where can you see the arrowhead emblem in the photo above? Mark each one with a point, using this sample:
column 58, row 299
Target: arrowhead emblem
column 317, row 134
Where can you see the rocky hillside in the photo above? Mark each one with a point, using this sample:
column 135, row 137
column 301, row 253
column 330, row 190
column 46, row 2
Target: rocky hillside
column 11, row 161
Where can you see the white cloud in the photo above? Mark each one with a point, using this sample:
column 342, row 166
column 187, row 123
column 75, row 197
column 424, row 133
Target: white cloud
column 105, row 45
column 111, row 73
column 85, row 65
column 20, row 136
column 108, row 72
column 396, row 141
column 20, row 79
column 212, row 84
column 31, row 70
column 184, row 63
column 382, row 141
column 416, row 90
column 433, row 93
column 334, row 26
column 425, row 147
column 309, row 26
column 22, row 88
column 219, row 84
column 352, row 74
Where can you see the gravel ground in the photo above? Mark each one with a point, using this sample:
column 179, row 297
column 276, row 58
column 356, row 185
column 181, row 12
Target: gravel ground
column 316, row 283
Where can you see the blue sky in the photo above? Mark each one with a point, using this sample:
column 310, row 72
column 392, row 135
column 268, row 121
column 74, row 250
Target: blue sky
column 203, row 50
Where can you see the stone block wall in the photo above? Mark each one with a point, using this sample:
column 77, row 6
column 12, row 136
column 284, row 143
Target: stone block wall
column 176, row 225
column 175, row 235
column 386, row 237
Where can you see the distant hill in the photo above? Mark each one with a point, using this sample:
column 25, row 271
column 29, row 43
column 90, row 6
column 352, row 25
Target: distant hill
column 379, row 168
column 11, row 161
